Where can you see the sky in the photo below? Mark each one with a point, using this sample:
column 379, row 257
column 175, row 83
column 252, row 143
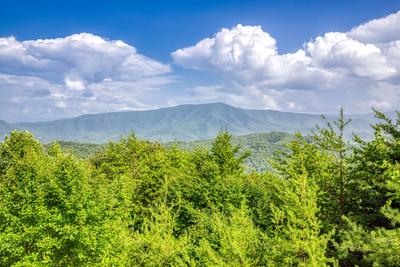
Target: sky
column 61, row 59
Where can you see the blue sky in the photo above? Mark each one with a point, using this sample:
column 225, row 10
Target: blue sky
column 158, row 27
column 260, row 54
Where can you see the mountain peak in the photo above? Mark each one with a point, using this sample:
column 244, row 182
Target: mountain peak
column 182, row 123
column 206, row 105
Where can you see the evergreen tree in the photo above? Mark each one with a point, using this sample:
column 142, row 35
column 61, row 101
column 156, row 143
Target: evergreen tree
column 371, row 160
column 228, row 240
column 373, row 234
column 295, row 230
column 227, row 156
column 335, row 185
column 155, row 244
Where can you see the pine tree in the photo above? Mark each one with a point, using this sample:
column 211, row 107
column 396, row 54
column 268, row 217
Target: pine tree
column 374, row 226
column 381, row 245
column 228, row 239
column 295, row 231
column 227, row 156
column 336, row 183
column 155, row 244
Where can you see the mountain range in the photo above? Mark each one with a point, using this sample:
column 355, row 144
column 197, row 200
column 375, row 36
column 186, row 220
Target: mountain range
column 180, row 123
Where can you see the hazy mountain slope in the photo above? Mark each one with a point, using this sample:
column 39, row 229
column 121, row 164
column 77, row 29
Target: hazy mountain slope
column 5, row 128
column 183, row 123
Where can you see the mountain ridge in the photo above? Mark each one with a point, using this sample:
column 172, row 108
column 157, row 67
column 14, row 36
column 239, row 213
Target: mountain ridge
column 180, row 123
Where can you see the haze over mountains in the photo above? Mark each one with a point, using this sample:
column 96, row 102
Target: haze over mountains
column 183, row 123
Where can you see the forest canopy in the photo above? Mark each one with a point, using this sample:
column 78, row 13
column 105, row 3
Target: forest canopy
column 325, row 202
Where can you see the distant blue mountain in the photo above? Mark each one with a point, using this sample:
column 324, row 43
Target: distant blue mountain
column 183, row 123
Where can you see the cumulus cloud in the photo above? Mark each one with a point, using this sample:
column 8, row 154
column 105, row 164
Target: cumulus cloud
column 239, row 48
column 339, row 53
column 249, row 53
column 381, row 30
column 363, row 58
column 80, row 57
column 80, row 73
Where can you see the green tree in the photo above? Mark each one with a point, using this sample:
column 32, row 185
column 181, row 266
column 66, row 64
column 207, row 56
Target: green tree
column 228, row 239
column 373, row 234
column 227, row 156
column 50, row 210
column 155, row 244
column 380, row 246
column 212, row 181
column 151, row 167
column 370, row 161
column 295, row 231
column 336, row 184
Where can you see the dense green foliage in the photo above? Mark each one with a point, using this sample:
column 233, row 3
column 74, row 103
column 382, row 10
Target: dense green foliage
column 81, row 150
column 261, row 147
column 324, row 202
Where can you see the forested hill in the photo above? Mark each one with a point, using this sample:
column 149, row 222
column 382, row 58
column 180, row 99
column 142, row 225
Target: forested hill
column 183, row 123
column 261, row 147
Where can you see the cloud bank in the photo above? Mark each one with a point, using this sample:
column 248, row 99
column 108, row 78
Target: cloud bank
column 84, row 73
column 81, row 73
column 362, row 61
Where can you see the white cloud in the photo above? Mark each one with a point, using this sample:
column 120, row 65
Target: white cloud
column 79, row 56
column 381, row 30
column 248, row 53
column 85, row 73
column 338, row 53
column 240, row 48
column 358, row 60
column 81, row 73
column 74, row 85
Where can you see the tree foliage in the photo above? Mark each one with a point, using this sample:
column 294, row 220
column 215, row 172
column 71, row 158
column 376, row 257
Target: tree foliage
column 325, row 202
